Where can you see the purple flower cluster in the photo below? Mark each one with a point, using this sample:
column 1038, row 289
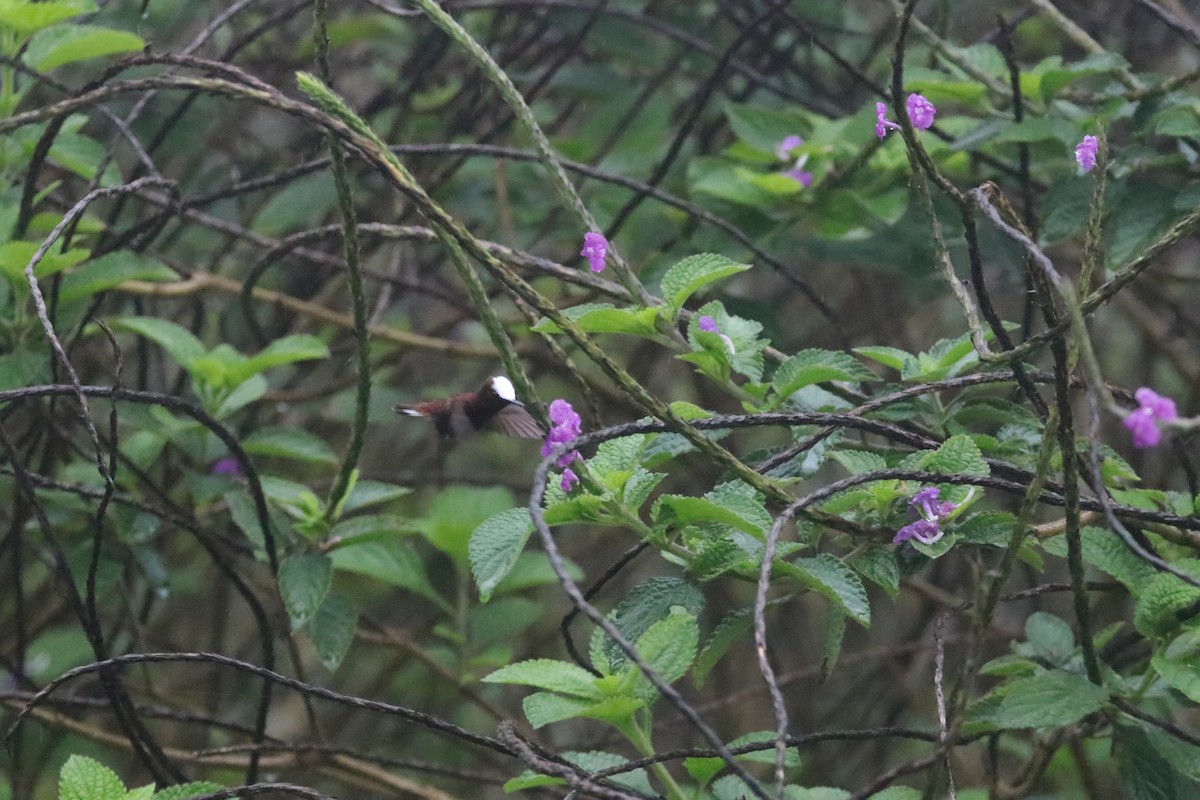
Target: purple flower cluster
column 565, row 428
column 920, row 113
column 932, row 513
column 1153, row 411
column 1085, row 153
column 783, row 151
column 595, row 248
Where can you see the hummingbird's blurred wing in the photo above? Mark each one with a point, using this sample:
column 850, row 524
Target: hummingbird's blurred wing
column 515, row 421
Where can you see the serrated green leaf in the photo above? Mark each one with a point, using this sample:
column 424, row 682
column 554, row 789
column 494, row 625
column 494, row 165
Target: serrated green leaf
column 592, row 761
column 878, row 565
column 1047, row 700
column 856, row 462
column 692, row 274
column 1181, row 675
column 83, row 778
column 109, row 270
column 455, row 514
column 304, row 580
column 245, row 516
column 554, row 676
column 683, row 510
column 715, row 555
column 791, row 757
column 367, row 528
column 824, row 573
column 182, row 791
column 668, row 647
column 1158, row 600
column 616, row 460
column 140, row 793
column 332, row 629
column 495, row 547
column 958, row 455
column 645, row 604
column 65, row 44
column 294, row 443
column 392, row 562
column 606, row 318
column 639, row 487
column 817, row 366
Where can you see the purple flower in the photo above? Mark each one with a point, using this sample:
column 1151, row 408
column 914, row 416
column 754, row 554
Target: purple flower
column 932, row 513
column 595, row 248
column 1153, row 411
column 1085, row 153
column 227, row 466
column 783, row 151
column 565, row 429
column 569, row 480
column 799, row 175
column 920, row 111
column 709, row 325
column 882, row 123
column 922, row 530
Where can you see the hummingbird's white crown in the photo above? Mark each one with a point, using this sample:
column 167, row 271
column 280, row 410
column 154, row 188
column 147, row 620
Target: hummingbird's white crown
column 504, row 388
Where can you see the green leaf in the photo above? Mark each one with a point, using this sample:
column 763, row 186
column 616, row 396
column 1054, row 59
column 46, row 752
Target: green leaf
column 495, row 546
column 1159, row 599
column 824, row 573
column 1050, row 636
column 177, row 340
column 141, row 793
column 455, row 514
column 642, row 607
column 692, row 274
column 1144, row 773
column 606, row 318
column 1040, row 129
column 668, row 647
column 730, row 630
column 303, row 582
column 245, row 516
column 372, row 493
column 394, row 563
column 958, row 455
column 835, row 631
column 83, row 778
column 554, row 676
column 682, row 510
column 22, row 368
column 1181, row 675
column 16, row 255
column 791, row 757
column 109, row 270
column 888, row 356
column 817, row 366
column 367, row 528
column 298, row 347
column 542, row 708
column 26, row 17
column 1047, row 700
column 878, row 565
column 591, row 761
column 857, row 462
column 182, row 791
column 332, row 629
column 242, row 395
column 294, row 443
column 66, row 44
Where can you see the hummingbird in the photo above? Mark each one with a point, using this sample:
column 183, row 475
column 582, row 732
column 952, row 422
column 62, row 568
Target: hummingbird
column 494, row 407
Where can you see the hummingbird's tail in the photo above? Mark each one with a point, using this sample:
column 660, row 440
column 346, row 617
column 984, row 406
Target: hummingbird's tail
column 409, row 411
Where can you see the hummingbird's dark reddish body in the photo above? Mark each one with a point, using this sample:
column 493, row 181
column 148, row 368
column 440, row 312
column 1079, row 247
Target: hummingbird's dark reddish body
column 494, row 407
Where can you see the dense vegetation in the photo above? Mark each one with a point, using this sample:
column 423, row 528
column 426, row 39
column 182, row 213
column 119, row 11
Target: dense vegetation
column 865, row 337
